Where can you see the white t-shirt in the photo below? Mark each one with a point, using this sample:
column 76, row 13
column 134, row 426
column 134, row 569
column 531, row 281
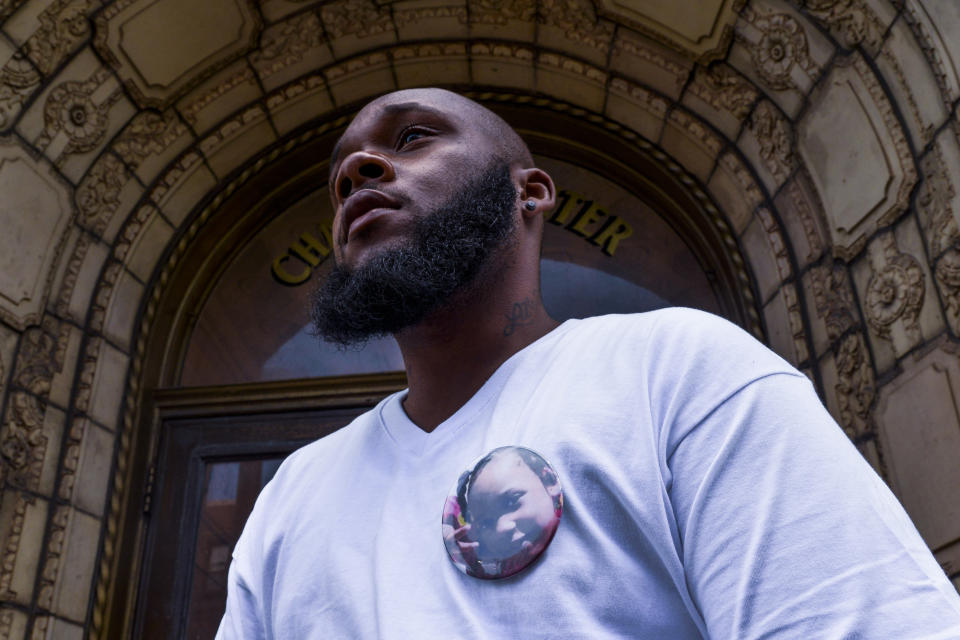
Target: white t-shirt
column 707, row 493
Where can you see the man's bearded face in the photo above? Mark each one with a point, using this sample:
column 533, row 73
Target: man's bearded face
column 401, row 285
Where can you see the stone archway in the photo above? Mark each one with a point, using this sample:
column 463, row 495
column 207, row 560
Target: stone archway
column 782, row 120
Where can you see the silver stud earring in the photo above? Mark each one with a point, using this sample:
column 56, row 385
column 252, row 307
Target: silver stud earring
column 530, row 205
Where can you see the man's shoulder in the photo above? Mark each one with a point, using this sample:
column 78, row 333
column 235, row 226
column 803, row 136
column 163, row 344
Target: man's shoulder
column 683, row 348
column 697, row 330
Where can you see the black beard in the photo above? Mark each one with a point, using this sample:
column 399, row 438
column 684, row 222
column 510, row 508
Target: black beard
column 400, row 286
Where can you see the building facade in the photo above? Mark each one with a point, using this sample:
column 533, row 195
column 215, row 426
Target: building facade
column 792, row 165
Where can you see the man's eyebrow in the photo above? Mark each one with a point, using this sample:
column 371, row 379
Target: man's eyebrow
column 401, row 108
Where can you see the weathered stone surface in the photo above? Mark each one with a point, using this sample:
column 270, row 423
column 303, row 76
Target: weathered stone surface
column 183, row 186
column 197, row 38
column 785, row 325
column 637, row 58
column 913, row 84
column 735, row 190
column 237, row 140
column 857, row 154
column 34, row 213
column 431, row 64
column 122, row 312
column 802, row 214
column 502, row 65
column 109, row 384
column 936, row 25
column 234, row 87
column 700, row 35
column 437, row 19
column 290, row 49
column 636, row 107
column 920, row 428
column 299, row 102
column 21, row 532
column 93, row 470
column 76, row 562
column 572, row 81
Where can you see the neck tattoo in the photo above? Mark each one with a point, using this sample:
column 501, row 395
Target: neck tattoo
column 521, row 315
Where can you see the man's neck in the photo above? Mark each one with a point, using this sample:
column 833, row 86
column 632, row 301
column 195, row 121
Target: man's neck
column 450, row 356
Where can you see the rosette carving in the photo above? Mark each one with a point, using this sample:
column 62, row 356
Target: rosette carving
column 780, row 50
column 895, row 292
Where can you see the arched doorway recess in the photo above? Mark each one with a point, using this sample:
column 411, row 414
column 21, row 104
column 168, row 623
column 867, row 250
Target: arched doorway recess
column 183, row 432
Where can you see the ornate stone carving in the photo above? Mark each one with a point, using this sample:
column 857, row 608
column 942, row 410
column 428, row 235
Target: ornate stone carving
column 22, row 442
column 71, row 458
column 804, row 206
column 11, row 544
column 780, row 50
column 636, row 48
column 502, row 50
column 64, row 25
column 895, row 291
column 573, row 66
column 855, row 387
column 70, row 109
column 403, row 17
column 198, row 103
column 295, row 90
column 578, row 21
column 935, row 204
column 286, row 43
column 851, row 20
column 651, row 102
column 725, row 90
column 947, row 273
column 776, row 140
column 500, row 11
column 70, row 276
column 18, row 79
column 935, row 212
column 359, row 18
column 173, row 175
column 51, row 561
column 922, row 18
column 98, row 195
column 88, row 361
column 429, row 50
column 833, row 299
column 149, row 133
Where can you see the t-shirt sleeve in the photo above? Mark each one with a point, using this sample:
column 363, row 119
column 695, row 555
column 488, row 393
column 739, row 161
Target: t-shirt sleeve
column 786, row 531
column 241, row 621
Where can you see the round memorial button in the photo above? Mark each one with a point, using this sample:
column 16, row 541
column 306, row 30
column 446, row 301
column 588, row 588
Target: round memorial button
column 502, row 513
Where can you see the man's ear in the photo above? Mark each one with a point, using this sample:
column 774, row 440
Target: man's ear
column 537, row 186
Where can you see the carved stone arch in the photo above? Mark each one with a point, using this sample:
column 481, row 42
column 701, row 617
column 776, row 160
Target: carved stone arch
column 718, row 234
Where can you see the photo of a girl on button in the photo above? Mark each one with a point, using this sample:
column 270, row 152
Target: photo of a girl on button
column 504, row 514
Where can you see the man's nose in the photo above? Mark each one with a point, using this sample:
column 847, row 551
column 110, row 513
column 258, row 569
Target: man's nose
column 360, row 167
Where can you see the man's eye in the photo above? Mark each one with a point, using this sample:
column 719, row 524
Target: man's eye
column 410, row 135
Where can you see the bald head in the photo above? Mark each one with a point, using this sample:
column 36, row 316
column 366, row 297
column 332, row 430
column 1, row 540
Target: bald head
column 503, row 140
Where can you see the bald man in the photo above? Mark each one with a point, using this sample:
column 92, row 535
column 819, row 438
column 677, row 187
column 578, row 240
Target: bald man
column 701, row 489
